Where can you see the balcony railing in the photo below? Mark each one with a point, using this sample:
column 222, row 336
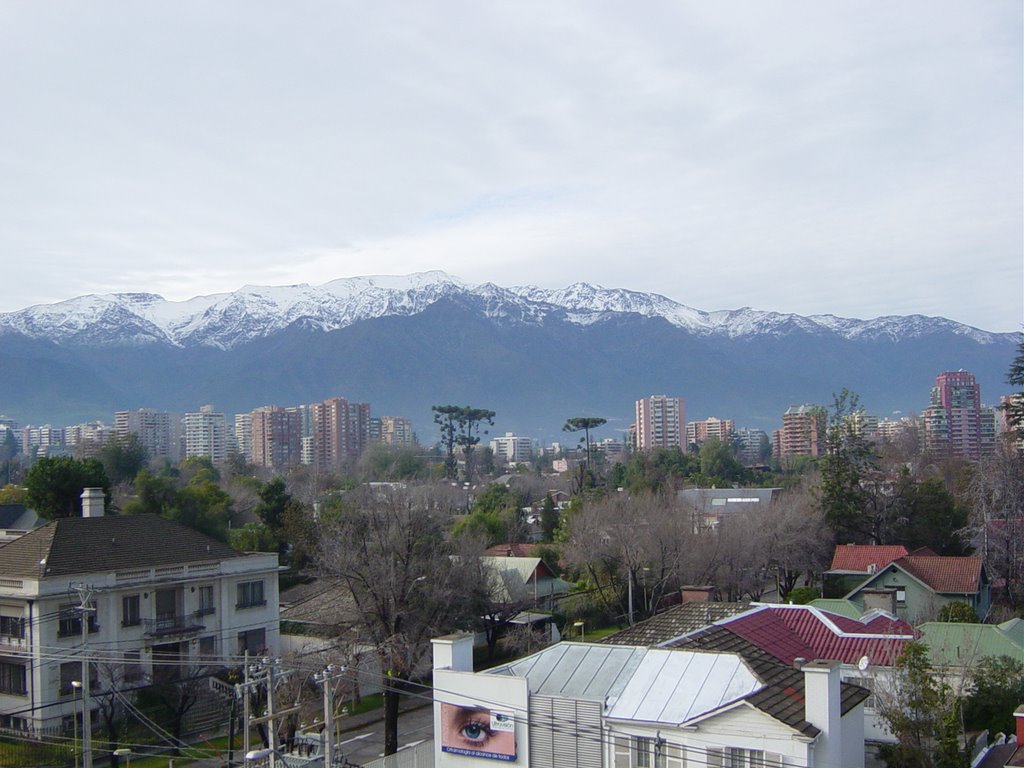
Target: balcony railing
column 174, row 624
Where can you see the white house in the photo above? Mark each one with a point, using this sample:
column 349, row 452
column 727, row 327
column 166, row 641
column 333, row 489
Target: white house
column 579, row 705
column 160, row 597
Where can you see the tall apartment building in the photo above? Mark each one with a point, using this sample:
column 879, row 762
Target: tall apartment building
column 660, row 422
column 341, row 431
column 802, row 433
column 159, row 432
column 511, row 448
column 753, row 446
column 396, row 431
column 699, row 432
column 206, row 434
column 88, row 439
column 42, row 441
column 243, row 435
column 276, row 437
column 952, row 421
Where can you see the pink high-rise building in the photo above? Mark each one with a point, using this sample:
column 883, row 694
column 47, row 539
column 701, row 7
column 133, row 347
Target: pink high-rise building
column 660, row 422
column 952, row 422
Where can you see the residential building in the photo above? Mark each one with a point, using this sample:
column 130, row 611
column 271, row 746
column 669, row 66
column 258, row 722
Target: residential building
column 952, row 421
column 160, row 598
column 511, row 449
column 582, row 705
column 276, row 435
column 524, row 579
column 610, row 448
column 206, row 434
column 159, row 432
column 660, row 422
column 852, row 564
column 41, row 441
column 243, row 435
column 341, row 431
column 699, row 432
column 710, row 505
column 802, row 433
column 916, row 586
column 753, row 446
column 397, row 431
column 87, row 439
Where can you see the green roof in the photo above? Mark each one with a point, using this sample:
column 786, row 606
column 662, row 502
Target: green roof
column 954, row 644
column 838, row 605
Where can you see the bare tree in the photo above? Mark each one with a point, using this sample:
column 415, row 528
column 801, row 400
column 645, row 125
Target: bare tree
column 389, row 549
column 625, row 543
column 997, row 519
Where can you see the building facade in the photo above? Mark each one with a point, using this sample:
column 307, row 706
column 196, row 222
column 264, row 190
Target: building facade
column 276, row 437
column 206, row 434
column 340, row 431
column 159, row 432
column 397, row 432
column 511, row 448
column 802, row 433
column 161, row 599
column 660, row 422
column 699, row 432
column 952, row 421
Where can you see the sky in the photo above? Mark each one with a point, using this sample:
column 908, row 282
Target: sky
column 852, row 158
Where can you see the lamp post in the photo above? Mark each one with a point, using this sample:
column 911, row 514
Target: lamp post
column 126, row 754
column 582, row 630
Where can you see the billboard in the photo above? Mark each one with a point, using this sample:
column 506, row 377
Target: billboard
column 478, row 732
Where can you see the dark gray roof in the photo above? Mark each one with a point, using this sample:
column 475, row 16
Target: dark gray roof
column 675, row 622
column 18, row 516
column 78, row 545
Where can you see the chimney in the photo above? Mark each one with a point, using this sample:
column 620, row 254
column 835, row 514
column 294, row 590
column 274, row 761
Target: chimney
column 93, row 500
column 1018, row 715
column 696, row 594
column 454, row 652
column 822, row 709
column 883, row 599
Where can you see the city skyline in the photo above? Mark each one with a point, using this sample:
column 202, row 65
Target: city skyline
column 807, row 159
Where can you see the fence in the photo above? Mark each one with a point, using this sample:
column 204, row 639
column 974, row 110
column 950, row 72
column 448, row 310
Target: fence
column 24, row 752
column 420, row 756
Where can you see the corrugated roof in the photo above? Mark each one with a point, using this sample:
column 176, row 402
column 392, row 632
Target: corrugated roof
column 945, row 574
column 958, row 644
column 576, row 670
column 676, row 686
column 789, row 632
column 860, row 557
column 838, row 605
column 79, row 545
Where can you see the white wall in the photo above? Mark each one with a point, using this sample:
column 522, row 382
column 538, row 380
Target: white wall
column 492, row 691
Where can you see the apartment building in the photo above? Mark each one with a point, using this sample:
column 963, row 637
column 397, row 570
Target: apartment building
column 511, row 448
column 952, row 420
column 159, row 432
column 275, row 437
column 159, row 598
column 206, row 434
column 699, row 432
column 802, row 433
column 660, row 422
column 340, row 430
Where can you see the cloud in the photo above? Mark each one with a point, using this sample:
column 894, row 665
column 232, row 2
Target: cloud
column 803, row 157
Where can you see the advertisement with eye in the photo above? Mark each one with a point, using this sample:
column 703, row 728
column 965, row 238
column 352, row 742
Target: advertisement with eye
column 478, row 732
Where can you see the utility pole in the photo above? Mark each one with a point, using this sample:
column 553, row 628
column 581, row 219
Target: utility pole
column 326, row 679
column 271, row 725
column 85, row 596
column 245, row 706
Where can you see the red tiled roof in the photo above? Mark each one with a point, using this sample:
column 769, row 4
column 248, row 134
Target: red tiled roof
column 792, row 632
column 860, row 557
column 946, row 575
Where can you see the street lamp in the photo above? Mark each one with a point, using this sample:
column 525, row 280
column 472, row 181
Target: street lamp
column 76, row 685
column 126, row 754
column 582, row 631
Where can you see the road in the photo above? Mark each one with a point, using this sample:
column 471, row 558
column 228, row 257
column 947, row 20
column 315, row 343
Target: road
column 367, row 743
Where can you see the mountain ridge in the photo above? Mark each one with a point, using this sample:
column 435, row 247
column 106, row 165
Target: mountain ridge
column 226, row 320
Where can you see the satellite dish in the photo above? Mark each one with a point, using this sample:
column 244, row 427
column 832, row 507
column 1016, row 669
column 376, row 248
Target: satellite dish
column 863, row 664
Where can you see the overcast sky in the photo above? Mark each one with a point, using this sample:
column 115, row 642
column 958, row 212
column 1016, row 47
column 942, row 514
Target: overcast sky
column 853, row 158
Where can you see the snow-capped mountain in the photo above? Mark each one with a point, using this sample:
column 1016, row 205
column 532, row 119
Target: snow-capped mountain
column 225, row 321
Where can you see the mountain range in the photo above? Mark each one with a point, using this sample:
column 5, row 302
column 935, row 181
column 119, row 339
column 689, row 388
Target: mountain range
column 535, row 356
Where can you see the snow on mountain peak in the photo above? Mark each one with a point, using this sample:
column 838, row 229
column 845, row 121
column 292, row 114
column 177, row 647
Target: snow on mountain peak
column 228, row 319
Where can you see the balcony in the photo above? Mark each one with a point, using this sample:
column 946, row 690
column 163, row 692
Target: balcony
column 174, row 624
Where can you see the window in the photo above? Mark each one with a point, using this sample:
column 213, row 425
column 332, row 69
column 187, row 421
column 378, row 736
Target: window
column 12, row 627
column 71, row 671
column 130, row 611
column 901, row 595
column 206, row 601
column 12, row 679
column 643, row 747
column 208, row 647
column 736, row 757
column 253, row 641
column 250, row 594
column 70, row 622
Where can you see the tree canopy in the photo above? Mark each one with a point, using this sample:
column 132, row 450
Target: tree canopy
column 54, row 485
